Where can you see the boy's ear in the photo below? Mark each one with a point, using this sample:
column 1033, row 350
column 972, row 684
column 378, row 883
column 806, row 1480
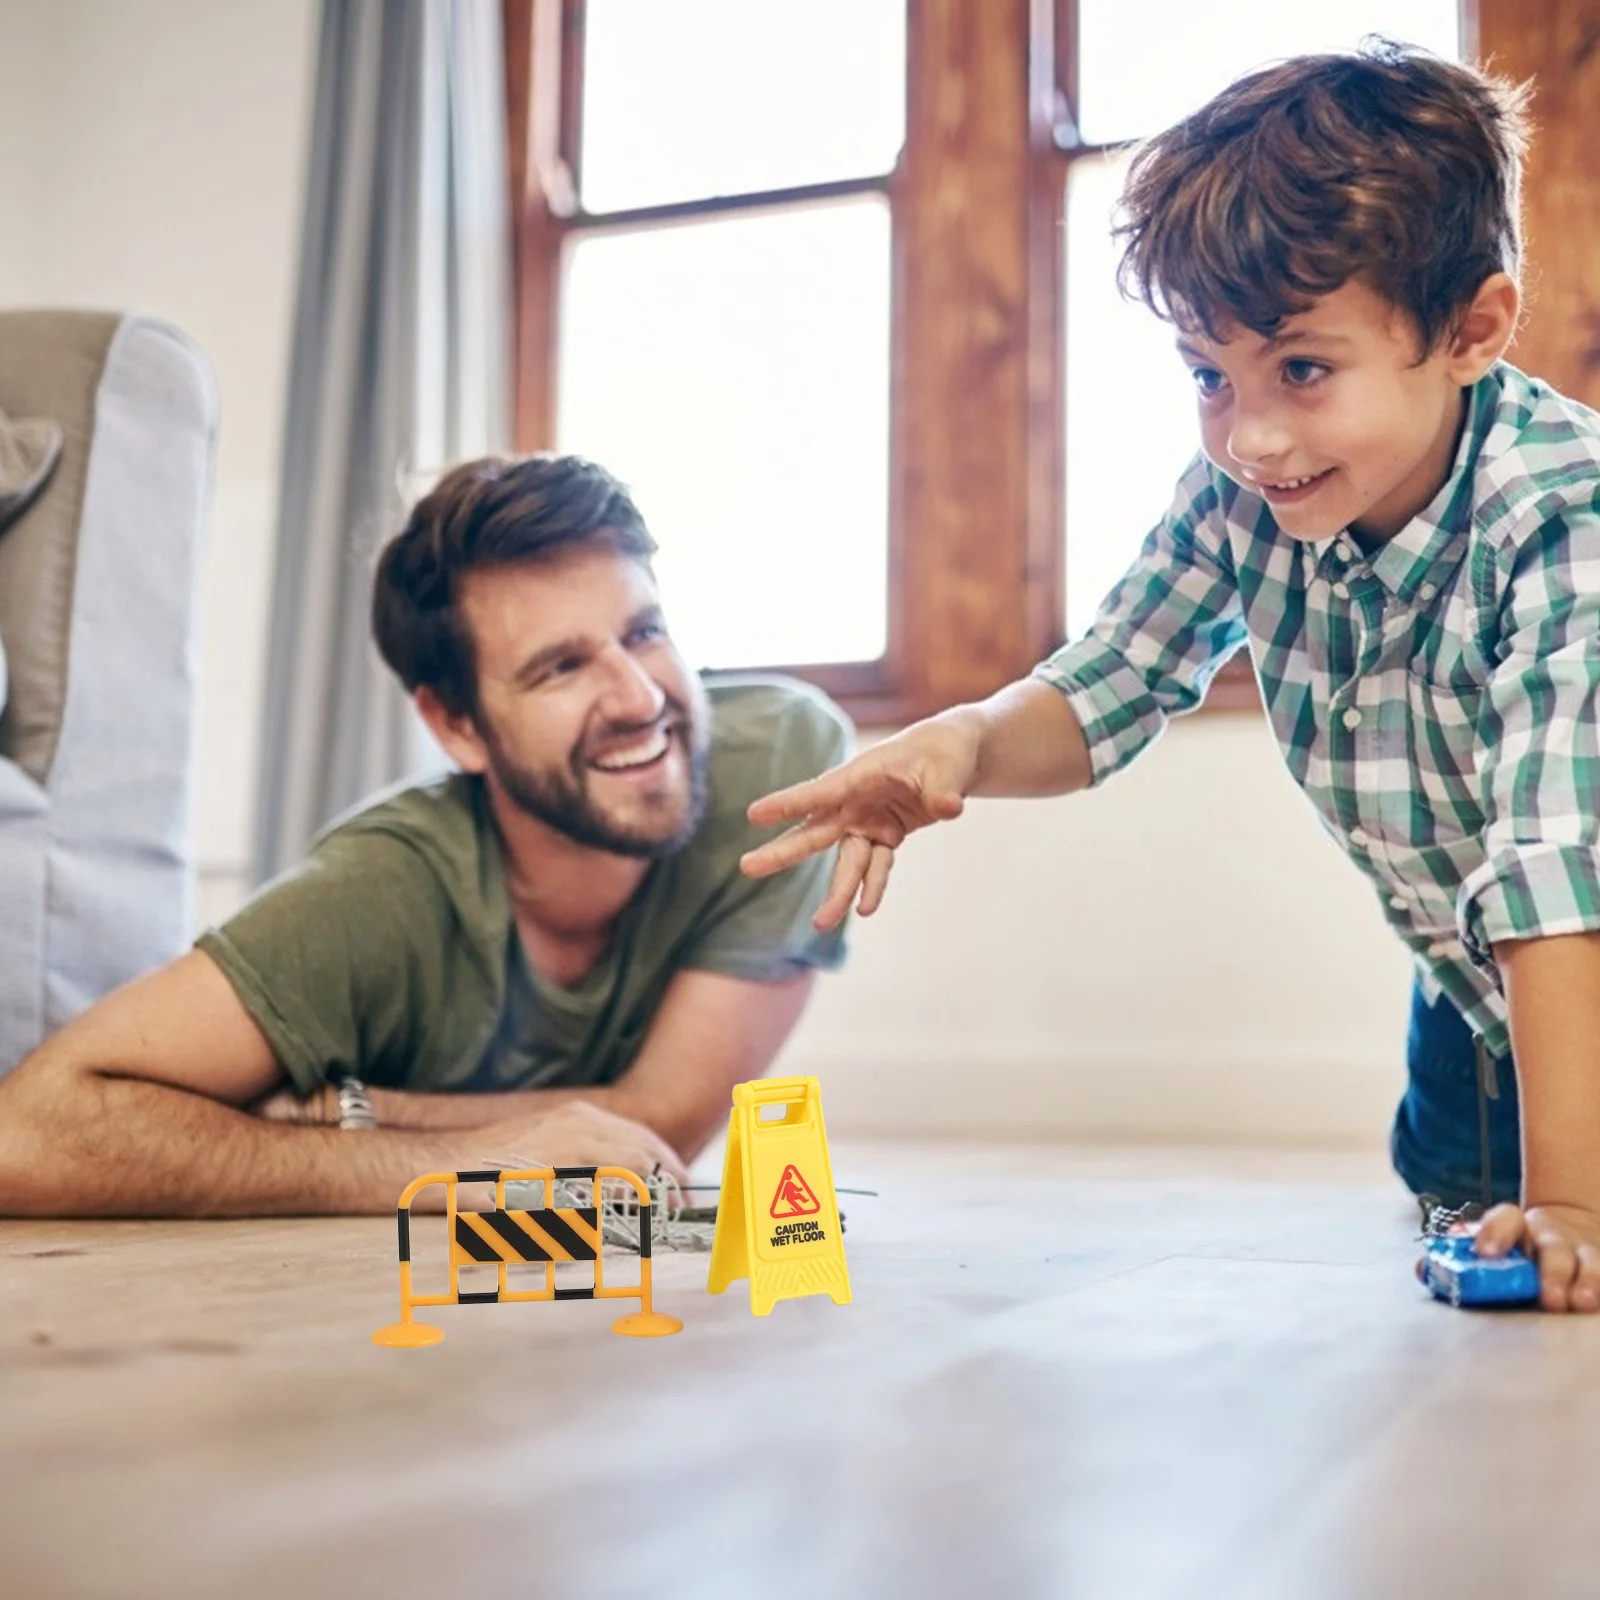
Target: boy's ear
column 457, row 736
column 1486, row 328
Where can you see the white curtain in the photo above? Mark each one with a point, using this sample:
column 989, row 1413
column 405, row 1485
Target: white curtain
column 400, row 366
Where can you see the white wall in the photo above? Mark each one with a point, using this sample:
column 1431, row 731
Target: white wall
column 158, row 149
column 22, row 147
column 1179, row 955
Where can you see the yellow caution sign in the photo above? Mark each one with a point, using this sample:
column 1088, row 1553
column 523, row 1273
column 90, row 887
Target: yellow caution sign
column 778, row 1220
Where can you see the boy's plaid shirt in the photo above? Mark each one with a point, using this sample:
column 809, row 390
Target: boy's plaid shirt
column 1436, row 699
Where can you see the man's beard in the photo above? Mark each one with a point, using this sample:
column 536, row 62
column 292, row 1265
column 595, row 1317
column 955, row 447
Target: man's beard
column 559, row 796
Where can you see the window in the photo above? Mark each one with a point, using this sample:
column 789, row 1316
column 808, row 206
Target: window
column 663, row 83
column 773, row 268
column 831, row 286
column 734, row 370
column 725, row 332
column 705, row 195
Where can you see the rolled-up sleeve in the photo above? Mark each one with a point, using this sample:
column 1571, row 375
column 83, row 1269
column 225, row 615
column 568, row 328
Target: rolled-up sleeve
column 1539, row 736
column 332, row 959
column 1173, row 619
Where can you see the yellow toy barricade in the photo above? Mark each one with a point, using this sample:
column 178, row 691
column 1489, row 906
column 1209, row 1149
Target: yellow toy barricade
column 778, row 1218
column 548, row 1234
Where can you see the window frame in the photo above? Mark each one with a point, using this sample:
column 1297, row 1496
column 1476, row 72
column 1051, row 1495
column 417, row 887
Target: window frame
column 977, row 448
column 974, row 546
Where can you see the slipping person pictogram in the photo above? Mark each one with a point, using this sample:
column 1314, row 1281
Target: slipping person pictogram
column 794, row 1197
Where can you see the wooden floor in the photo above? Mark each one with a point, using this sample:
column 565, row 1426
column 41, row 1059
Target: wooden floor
column 1065, row 1373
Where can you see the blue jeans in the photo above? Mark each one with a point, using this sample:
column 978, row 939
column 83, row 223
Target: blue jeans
column 1437, row 1142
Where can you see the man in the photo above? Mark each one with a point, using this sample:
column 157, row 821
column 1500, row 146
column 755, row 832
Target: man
column 547, row 957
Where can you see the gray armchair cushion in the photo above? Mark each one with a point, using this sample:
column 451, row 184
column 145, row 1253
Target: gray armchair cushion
column 29, row 450
column 97, row 615
column 54, row 363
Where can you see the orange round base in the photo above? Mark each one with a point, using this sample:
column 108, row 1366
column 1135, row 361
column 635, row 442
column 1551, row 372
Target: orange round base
column 647, row 1325
column 407, row 1335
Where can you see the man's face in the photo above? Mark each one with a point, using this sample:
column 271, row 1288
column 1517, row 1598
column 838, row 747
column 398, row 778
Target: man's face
column 1332, row 421
column 589, row 720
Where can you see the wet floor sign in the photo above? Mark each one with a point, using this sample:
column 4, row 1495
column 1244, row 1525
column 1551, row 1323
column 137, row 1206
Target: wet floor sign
column 778, row 1220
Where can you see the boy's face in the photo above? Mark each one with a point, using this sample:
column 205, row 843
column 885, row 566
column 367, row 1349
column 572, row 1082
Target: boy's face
column 1333, row 421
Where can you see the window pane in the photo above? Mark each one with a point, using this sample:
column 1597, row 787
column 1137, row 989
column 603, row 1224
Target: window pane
column 1131, row 425
column 1142, row 66
column 697, row 98
column 735, row 373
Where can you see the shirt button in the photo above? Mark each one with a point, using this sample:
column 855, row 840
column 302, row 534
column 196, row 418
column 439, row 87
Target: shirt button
column 1358, row 838
column 1428, row 591
column 1342, row 589
column 1440, row 947
column 1399, row 902
column 1345, row 550
column 1352, row 718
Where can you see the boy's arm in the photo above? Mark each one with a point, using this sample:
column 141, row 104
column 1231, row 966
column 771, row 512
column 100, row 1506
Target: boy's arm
column 1534, row 903
column 1024, row 740
column 1029, row 743
column 1553, row 989
column 134, row 1109
column 1087, row 711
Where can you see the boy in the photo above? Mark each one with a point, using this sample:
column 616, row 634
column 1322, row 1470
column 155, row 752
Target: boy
column 1406, row 532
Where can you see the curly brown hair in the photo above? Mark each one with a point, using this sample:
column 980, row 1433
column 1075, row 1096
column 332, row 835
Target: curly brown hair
column 492, row 512
column 1385, row 163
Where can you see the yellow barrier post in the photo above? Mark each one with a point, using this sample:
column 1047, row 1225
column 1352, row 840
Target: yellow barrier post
column 778, row 1217
column 548, row 1234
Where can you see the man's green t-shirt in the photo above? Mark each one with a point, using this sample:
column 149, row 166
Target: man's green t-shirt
column 391, row 951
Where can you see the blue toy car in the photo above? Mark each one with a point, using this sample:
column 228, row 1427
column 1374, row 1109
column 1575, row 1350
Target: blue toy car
column 1453, row 1271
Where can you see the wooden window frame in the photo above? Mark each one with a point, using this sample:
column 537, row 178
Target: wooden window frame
column 974, row 546
column 976, row 537
column 1556, row 43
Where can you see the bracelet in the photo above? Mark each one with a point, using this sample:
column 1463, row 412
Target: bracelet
column 355, row 1108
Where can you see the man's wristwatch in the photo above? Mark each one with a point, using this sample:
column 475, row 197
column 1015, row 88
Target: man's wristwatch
column 355, row 1108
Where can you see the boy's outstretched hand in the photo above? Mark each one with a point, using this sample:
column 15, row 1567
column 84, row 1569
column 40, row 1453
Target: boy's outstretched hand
column 867, row 807
column 1564, row 1240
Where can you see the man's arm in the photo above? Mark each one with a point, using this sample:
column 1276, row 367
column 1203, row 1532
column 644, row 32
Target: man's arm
column 134, row 1109
column 1553, row 989
column 711, row 1032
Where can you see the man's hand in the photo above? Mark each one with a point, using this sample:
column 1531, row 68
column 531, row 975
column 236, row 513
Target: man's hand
column 867, row 807
column 571, row 1133
column 1564, row 1240
column 578, row 1133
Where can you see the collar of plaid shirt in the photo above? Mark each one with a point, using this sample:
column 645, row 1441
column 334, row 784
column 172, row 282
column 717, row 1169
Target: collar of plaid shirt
column 1435, row 696
column 1430, row 547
